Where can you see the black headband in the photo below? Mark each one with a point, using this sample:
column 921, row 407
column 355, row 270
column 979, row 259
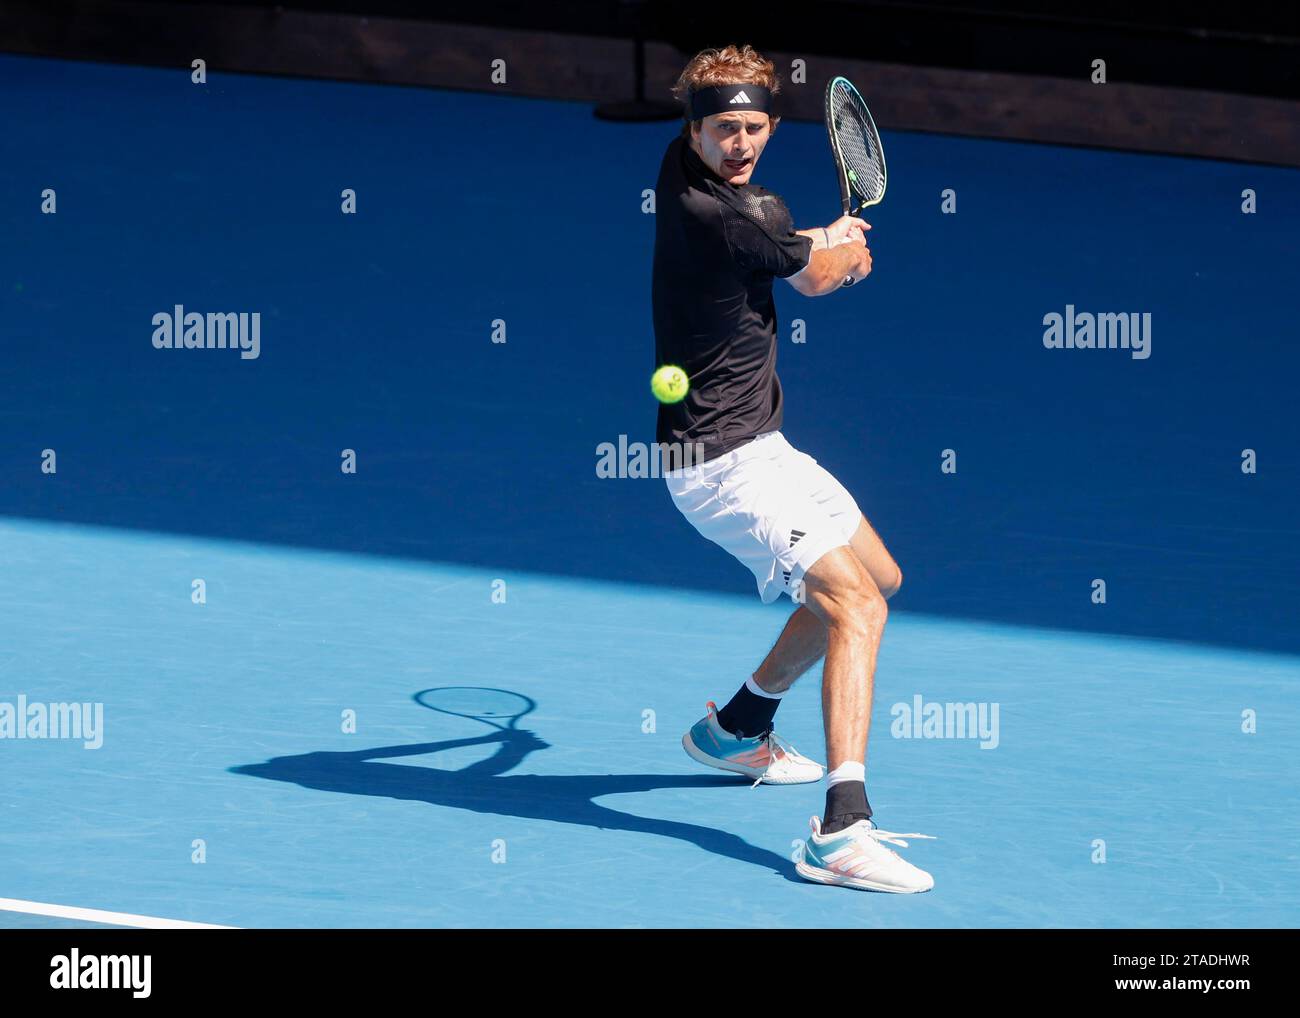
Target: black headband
column 704, row 102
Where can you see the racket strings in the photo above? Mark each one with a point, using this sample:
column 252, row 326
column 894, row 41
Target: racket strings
column 859, row 145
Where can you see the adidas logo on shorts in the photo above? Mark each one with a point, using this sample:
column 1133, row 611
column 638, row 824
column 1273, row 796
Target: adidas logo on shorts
column 794, row 539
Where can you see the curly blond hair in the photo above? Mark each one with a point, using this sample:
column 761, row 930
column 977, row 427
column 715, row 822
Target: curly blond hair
column 730, row 65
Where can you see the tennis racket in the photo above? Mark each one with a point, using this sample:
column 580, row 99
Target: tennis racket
column 499, row 708
column 855, row 144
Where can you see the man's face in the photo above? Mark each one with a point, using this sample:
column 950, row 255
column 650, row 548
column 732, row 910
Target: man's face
column 730, row 143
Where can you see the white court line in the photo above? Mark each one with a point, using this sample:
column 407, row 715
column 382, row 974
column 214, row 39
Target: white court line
column 95, row 915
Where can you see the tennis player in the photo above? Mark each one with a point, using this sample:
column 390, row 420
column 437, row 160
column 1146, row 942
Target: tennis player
column 720, row 240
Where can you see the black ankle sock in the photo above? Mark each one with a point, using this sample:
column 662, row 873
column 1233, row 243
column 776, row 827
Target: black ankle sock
column 748, row 714
column 846, row 804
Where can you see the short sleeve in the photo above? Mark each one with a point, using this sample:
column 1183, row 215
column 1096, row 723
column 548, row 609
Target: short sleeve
column 761, row 234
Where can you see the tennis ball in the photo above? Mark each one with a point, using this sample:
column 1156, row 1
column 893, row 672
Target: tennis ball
column 670, row 384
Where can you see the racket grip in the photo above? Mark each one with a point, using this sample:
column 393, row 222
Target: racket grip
column 849, row 281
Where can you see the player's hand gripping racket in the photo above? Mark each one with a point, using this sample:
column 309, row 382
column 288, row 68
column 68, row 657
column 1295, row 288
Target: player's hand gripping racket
column 855, row 144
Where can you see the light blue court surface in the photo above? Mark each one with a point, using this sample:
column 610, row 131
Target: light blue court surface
column 1119, row 727
column 222, row 723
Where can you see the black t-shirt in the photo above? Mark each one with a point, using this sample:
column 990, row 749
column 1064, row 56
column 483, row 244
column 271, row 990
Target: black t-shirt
column 717, row 249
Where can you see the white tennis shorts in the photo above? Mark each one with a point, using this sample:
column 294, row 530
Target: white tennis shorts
column 771, row 506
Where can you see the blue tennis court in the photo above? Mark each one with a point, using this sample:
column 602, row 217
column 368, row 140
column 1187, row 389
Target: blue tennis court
column 263, row 761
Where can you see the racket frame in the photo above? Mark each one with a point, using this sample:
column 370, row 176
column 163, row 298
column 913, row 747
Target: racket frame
column 530, row 706
column 847, row 190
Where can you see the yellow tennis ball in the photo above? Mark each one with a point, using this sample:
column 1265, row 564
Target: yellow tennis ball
column 670, row 384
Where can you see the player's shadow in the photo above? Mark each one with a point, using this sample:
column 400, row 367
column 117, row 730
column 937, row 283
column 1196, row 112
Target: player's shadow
column 487, row 787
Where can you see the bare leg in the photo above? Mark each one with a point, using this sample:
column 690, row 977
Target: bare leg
column 800, row 646
column 802, row 642
column 842, row 594
column 873, row 554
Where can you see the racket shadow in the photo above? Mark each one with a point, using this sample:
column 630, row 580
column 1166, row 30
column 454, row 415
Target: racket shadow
column 486, row 786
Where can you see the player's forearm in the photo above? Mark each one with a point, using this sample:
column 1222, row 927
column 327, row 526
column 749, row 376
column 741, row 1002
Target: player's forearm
column 819, row 235
column 832, row 259
column 829, row 268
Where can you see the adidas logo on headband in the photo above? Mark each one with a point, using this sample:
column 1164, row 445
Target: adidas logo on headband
column 702, row 102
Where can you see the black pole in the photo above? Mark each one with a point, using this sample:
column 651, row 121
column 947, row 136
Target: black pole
column 639, row 109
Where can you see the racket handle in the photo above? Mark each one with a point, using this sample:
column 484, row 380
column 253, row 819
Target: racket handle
column 849, row 280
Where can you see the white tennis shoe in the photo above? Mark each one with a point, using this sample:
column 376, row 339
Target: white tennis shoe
column 857, row 857
column 766, row 758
